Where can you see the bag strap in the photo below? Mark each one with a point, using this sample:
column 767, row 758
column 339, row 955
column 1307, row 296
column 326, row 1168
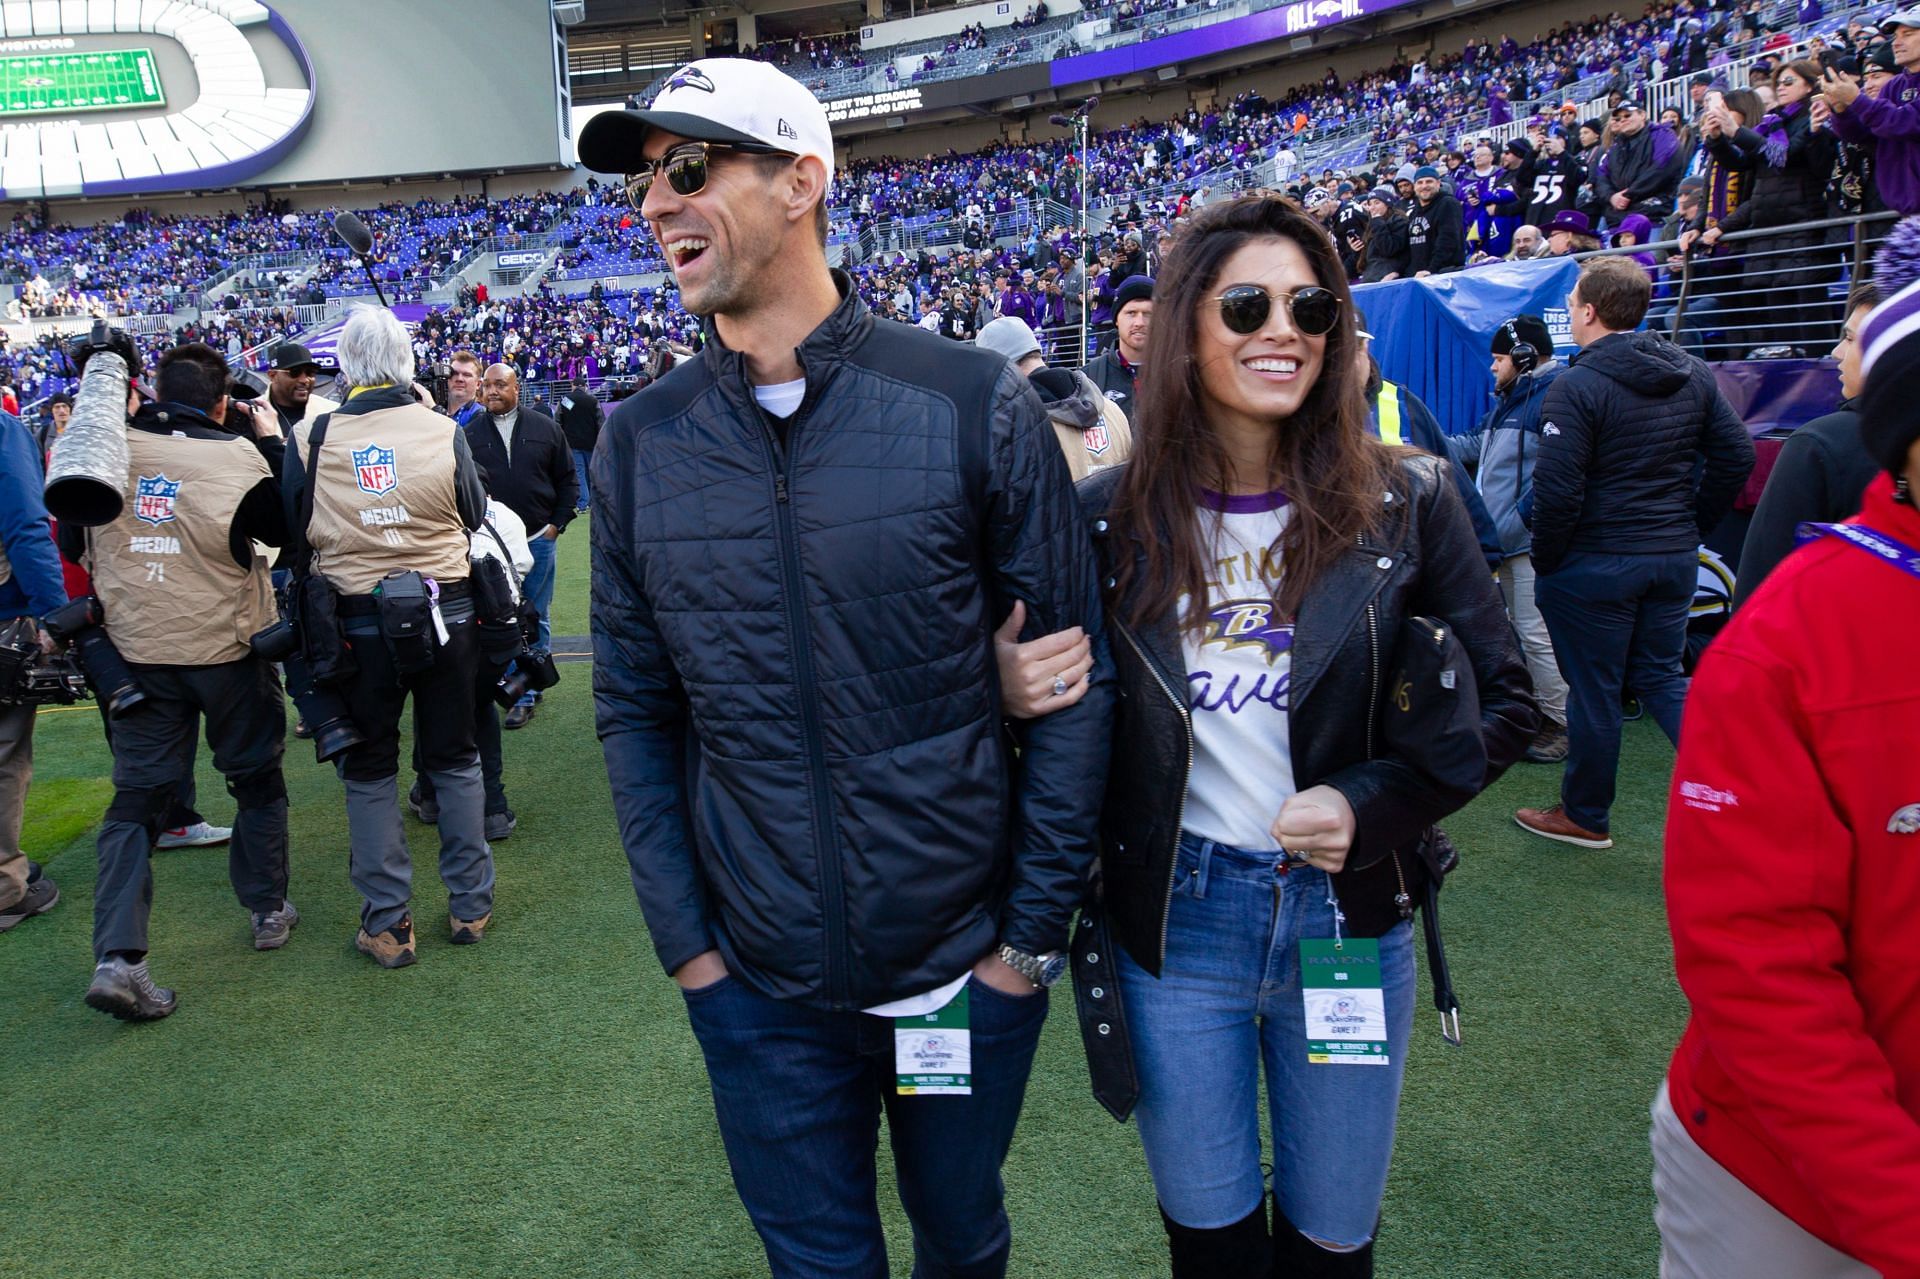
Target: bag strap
column 506, row 556
column 315, row 438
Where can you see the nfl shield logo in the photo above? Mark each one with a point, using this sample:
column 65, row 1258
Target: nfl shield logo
column 373, row 470
column 153, row 499
column 1096, row 439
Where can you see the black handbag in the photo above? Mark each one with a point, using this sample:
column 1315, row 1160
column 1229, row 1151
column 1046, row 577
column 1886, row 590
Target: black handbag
column 1096, row 999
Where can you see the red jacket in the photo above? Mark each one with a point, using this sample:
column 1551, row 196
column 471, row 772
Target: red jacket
column 1793, row 891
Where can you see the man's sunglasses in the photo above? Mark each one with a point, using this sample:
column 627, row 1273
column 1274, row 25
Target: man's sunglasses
column 1244, row 308
column 685, row 167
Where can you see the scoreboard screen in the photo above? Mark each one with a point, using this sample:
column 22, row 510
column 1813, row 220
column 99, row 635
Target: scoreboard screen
column 107, row 80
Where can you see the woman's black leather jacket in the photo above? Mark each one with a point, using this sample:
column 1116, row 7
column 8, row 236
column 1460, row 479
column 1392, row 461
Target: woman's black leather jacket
column 1424, row 562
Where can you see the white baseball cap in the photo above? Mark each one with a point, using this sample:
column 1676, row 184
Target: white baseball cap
column 1903, row 18
column 727, row 100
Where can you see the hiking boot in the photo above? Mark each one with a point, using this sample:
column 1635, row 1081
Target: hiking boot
column 391, row 949
column 124, row 989
column 468, row 931
column 1549, row 746
column 1553, row 823
column 427, row 810
column 272, row 928
column 42, row 895
column 518, row 715
column 500, row 825
column 198, row 835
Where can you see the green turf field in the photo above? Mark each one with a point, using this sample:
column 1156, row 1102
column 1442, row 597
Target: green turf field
column 535, row 1106
column 67, row 82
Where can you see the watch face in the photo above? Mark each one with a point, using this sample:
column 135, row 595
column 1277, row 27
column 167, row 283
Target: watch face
column 1052, row 969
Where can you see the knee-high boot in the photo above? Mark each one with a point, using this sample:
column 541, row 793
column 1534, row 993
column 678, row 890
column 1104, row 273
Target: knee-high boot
column 1239, row 1251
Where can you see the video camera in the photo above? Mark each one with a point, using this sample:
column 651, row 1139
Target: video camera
column 29, row 677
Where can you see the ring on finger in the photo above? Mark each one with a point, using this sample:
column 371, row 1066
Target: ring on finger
column 1059, row 686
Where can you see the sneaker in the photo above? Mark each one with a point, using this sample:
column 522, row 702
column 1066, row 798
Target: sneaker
column 518, row 715
column 1552, row 823
column 391, row 949
column 272, row 928
column 1550, row 745
column 124, row 990
column 500, row 825
column 198, row 835
column 42, row 895
column 427, row 810
column 468, row 931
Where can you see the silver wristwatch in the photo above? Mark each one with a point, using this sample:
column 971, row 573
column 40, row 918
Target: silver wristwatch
column 1041, row 970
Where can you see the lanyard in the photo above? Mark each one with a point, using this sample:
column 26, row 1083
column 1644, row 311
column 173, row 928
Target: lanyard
column 1896, row 553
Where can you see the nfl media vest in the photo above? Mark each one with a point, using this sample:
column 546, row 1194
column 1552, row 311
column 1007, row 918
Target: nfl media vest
column 164, row 569
column 384, row 498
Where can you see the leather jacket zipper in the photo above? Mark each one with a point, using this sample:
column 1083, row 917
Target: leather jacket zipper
column 1180, row 814
column 832, row 890
column 1373, row 665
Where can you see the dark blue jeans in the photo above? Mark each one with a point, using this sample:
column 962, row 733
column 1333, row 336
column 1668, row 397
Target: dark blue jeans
column 799, row 1093
column 1617, row 621
column 581, row 459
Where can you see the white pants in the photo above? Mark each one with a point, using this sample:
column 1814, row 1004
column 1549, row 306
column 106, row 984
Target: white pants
column 1516, row 587
column 1713, row 1227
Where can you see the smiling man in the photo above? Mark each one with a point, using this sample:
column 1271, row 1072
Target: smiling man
column 802, row 541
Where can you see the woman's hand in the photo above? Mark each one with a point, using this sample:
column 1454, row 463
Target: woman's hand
column 1028, row 671
column 1710, row 236
column 1318, row 825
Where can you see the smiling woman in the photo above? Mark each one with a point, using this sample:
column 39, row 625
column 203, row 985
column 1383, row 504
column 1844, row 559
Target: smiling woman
column 1261, row 551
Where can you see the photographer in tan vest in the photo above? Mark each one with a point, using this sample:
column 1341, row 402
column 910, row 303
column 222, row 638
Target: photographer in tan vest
column 180, row 590
column 381, row 495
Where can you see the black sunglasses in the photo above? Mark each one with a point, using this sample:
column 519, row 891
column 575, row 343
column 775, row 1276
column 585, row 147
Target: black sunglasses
column 1244, row 308
column 685, row 167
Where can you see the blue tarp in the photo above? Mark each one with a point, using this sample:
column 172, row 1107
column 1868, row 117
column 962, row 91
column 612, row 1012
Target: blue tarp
column 1432, row 336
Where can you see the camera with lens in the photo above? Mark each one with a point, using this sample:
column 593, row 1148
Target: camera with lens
column 321, row 706
column 29, row 677
column 78, row 625
column 533, row 671
column 104, row 337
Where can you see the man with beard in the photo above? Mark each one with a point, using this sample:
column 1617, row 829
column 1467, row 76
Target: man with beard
column 290, row 387
column 1117, row 372
column 1436, row 230
column 824, row 829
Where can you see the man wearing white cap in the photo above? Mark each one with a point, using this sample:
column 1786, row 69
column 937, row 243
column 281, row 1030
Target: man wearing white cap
column 802, row 542
column 1890, row 120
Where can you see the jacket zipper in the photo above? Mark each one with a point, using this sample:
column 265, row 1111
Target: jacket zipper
column 1180, row 814
column 832, row 904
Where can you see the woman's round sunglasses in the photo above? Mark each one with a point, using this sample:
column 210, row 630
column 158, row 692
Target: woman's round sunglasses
column 685, row 167
column 1244, row 308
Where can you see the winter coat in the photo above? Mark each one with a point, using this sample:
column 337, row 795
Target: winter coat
column 1625, row 429
column 1386, row 252
column 1502, row 451
column 794, row 677
column 1787, row 189
column 1792, row 885
column 1890, row 123
column 1117, row 380
column 1436, row 236
column 1647, row 166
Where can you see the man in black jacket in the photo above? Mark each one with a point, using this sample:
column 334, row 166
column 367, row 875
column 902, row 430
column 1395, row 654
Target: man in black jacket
column 1823, row 468
column 529, row 468
column 1639, row 169
column 580, row 419
column 1436, row 227
column 805, row 539
column 1618, row 518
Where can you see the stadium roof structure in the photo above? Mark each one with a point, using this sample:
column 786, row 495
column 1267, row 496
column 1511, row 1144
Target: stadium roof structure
column 236, row 127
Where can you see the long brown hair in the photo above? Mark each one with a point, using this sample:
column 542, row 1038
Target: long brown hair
column 1323, row 458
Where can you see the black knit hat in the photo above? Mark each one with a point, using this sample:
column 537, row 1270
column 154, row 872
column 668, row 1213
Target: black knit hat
column 1521, row 147
column 1135, row 288
column 1529, row 330
column 1890, row 361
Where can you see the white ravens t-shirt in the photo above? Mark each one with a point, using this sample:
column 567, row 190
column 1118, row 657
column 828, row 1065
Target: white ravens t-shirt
column 1239, row 676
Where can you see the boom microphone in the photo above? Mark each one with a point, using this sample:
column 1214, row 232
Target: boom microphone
column 353, row 233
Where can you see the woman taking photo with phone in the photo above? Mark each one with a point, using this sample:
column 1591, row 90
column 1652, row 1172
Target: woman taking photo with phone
column 1262, row 554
